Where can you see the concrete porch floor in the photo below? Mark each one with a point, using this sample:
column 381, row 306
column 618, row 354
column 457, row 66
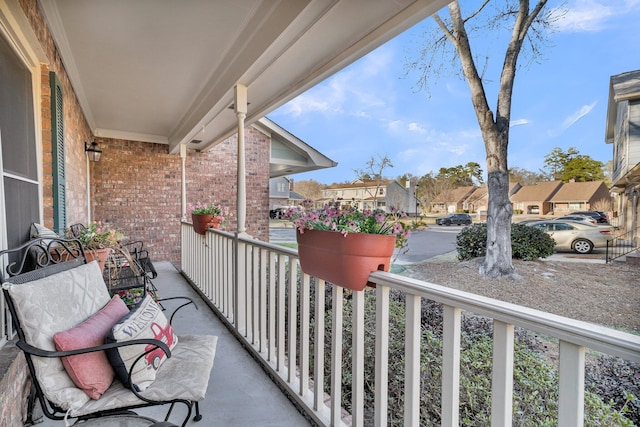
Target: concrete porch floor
column 240, row 393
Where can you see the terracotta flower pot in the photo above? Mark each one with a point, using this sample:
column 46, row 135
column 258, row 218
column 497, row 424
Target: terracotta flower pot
column 201, row 223
column 343, row 260
column 100, row 255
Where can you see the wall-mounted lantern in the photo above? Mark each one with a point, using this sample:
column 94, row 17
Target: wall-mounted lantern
column 93, row 151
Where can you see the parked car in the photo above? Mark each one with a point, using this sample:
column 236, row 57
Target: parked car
column 275, row 213
column 599, row 216
column 579, row 218
column 576, row 236
column 454, row 219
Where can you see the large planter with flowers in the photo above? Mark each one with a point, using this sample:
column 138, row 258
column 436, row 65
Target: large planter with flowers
column 344, row 259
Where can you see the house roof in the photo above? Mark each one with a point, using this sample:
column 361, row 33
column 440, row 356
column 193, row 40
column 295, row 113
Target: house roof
column 455, row 195
column 622, row 87
column 578, row 191
column 166, row 71
column 290, row 154
column 360, row 184
column 542, row 191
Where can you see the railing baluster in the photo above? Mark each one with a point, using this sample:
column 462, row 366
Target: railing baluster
column 412, row 361
column 272, row 315
column 255, row 296
column 502, row 383
column 262, row 324
column 292, row 320
column 451, row 321
column 318, row 358
column 305, row 301
column 357, row 360
column 336, row 355
column 382, row 355
column 571, row 385
column 281, row 312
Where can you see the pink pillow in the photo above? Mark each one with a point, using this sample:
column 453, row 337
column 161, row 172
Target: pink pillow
column 91, row 372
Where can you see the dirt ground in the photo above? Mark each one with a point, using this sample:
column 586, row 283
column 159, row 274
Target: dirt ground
column 606, row 294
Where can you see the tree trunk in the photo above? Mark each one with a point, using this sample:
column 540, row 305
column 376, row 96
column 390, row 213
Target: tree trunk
column 498, row 262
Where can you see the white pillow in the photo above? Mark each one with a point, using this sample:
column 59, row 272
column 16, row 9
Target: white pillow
column 145, row 320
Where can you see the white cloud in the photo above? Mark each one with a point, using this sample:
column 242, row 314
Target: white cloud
column 519, row 122
column 416, row 127
column 592, row 15
column 573, row 118
column 394, row 125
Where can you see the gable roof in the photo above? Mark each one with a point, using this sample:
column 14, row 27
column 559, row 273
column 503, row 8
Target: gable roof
column 542, row 191
column 360, row 184
column 456, row 195
column 578, row 191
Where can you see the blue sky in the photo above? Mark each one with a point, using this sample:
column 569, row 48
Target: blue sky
column 371, row 108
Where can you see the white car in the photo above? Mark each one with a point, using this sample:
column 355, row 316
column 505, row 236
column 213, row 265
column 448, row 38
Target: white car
column 576, row 236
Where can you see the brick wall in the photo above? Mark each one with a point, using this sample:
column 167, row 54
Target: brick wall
column 14, row 386
column 77, row 130
column 136, row 188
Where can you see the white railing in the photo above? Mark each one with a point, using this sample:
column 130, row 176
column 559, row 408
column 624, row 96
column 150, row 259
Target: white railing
column 271, row 311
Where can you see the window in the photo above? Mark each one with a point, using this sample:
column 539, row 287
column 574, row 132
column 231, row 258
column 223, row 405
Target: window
column 281, row 187
column 19, row 189
column 575, row 206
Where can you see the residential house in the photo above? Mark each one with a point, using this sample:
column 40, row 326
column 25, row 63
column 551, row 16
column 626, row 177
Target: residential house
column 535, row 199
column 371, row 194
column 281, row 193
column 478, row 201
column 581, row 196
column 453, row 200
column 623, row 131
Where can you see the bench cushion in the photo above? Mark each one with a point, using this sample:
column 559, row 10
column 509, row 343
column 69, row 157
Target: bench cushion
column 185, row 375
column 70, row 297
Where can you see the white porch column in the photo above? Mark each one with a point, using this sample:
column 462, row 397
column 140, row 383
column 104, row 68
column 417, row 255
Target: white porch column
column 241, row 113
column 183, row 157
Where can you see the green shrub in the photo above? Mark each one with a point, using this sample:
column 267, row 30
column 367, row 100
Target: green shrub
column 527, row 243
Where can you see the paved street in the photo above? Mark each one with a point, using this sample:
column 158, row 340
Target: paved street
column 434, row 241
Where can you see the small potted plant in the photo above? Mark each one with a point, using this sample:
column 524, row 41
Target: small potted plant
column 205, row 216
column 98, row 242
column 343, row 244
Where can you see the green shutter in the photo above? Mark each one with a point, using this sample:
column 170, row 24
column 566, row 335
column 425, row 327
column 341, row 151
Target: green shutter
column 57, row 142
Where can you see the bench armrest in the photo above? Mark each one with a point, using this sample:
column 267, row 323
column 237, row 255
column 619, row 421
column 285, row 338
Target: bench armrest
column 189, row 302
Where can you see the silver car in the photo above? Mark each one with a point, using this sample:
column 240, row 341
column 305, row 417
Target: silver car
column 576, row 236
column 579, row 218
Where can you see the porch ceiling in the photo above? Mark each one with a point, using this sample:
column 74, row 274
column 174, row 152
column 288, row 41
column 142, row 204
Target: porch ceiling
column 164, row 70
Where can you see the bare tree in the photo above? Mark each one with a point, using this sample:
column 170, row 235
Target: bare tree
column 373, row 171
column 528, row 25
column 310, row 188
